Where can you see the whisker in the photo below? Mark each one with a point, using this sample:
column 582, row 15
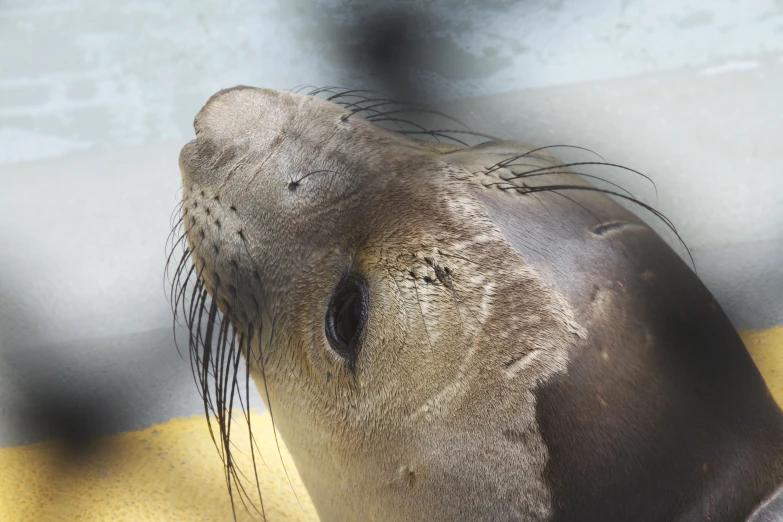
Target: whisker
column 563, row 172
column 509, row 163
column 442, row 132
column 655, row 212
column 166, row 275
column 295, row 183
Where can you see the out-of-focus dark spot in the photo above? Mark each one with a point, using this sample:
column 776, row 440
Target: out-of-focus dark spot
column 69, row 418
column 75, row 414
column 385, row 44
column 403, row 50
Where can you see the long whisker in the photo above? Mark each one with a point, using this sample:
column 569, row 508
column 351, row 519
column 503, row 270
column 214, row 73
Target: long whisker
column 509, row 163
column 655, row 212
column 507, row 181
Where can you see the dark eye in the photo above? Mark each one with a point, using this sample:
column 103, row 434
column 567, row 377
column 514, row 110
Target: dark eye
column 346, row 316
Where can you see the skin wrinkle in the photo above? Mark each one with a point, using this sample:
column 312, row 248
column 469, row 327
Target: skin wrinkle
column 452, row 387
column 472, row 316
column 232, row 170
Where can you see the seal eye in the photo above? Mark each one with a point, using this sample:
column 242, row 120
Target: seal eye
column 346, row 316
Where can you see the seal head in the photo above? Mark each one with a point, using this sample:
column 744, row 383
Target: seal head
column 463, row 333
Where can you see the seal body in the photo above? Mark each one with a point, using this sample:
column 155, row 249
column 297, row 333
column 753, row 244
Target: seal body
column 448, row 333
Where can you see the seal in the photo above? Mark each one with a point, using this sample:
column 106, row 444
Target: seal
column 449, row 332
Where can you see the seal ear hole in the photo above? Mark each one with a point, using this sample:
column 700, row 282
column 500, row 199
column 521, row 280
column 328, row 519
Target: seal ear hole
column 346, row 316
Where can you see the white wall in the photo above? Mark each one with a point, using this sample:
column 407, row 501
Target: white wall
column 76, row 74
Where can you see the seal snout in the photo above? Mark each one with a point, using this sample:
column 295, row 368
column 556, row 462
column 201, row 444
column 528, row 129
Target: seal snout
column 184, row 154
column 202, row 118
column 246, row 136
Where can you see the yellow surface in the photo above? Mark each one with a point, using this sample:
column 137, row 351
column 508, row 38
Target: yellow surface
column 766, row 349
column 171, row 472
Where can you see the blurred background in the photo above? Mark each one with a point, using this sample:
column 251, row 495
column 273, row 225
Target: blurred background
column 97, row 97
